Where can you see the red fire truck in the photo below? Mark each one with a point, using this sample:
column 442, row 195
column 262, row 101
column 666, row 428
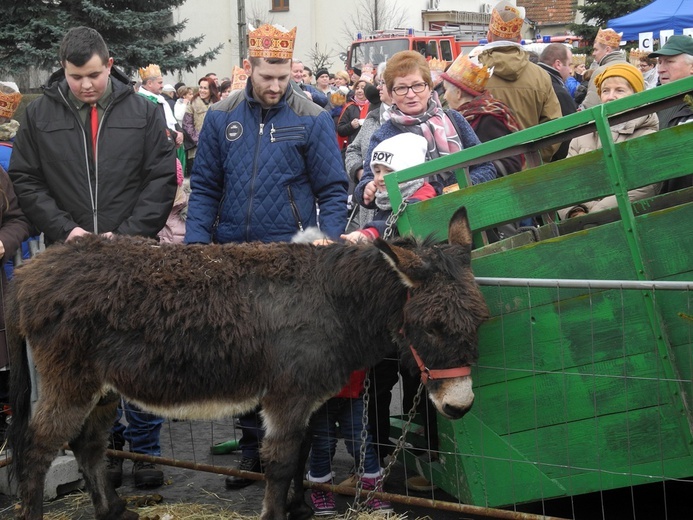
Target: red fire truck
column 380, row 45
column 446, row 44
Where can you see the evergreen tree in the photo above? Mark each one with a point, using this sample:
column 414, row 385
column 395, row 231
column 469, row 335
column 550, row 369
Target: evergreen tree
column 598, row 12
column 137, row 32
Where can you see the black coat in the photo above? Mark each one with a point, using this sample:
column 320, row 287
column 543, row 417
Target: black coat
column 129, row 190
column 567, row 105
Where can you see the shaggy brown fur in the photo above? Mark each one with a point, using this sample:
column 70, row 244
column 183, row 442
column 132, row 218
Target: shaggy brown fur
column 205, row 331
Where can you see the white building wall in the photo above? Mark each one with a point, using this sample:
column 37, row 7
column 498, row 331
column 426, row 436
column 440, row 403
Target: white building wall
column 317, row 21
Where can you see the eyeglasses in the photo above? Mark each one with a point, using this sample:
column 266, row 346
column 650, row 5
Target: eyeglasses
column 380, row 83
column 416, row 88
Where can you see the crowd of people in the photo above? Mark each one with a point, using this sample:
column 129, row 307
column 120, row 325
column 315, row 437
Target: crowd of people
column 275, row 148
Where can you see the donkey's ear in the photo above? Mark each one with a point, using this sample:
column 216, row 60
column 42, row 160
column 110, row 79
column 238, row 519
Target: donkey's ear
column 407, row 264
column 459, row 231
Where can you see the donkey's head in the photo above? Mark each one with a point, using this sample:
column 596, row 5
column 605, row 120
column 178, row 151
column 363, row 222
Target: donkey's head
column 442, row 314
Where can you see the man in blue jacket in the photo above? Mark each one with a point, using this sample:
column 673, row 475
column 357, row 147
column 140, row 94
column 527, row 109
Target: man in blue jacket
column 267, row 160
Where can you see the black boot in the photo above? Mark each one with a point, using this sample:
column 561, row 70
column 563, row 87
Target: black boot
column 246, row 464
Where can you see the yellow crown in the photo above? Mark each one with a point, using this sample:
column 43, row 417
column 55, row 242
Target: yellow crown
column 151, row 71
column 506, row 29
column 269, row 42
column 579, row 59
column 240, row 77
column 9, row 103
column 635, row 55
column 608, row 37
column 437, row 65
column 467, row 75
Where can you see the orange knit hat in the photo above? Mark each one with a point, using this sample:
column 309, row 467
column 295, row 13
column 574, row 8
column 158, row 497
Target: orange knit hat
column 622, row 70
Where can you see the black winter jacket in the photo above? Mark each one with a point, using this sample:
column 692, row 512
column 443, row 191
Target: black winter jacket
column 567, row 103
column 129, row 190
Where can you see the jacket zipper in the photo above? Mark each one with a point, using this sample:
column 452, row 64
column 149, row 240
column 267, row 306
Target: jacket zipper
column 252, row 183
column 294, row 209
column 93, row 201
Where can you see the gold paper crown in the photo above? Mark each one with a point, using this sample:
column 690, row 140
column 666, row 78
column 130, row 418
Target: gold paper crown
column 608, row 37
column 9, row 103
column 269, row 42
column 240, row 77
column 338, row 99
column 467, row 75
column 636, row 54
column 579, row 59
column 437, row 65
column 510, row 29
column 152, row 71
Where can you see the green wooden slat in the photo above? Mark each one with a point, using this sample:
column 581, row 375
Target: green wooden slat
column 611, row 443
column 571, row 458
column 571, row 256
column 668, row 241
column 572, row 395
column 583, row 332
column 556, row 185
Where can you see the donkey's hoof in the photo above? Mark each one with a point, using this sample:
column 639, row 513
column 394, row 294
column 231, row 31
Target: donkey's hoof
column 129, row 515
column 300, row 511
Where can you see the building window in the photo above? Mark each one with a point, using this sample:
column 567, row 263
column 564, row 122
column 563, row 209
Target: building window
column 280, row 5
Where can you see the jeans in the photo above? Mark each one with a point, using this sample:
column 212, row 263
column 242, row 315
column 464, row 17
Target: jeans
column 141, row 432
column 323, row 436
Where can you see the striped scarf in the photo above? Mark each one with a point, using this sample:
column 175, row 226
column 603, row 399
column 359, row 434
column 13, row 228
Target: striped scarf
column 433, row 124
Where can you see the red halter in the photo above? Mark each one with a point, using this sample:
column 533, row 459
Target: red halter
column 448, row 373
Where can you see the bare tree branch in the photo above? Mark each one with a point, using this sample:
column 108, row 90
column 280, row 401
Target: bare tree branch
column 371, row 15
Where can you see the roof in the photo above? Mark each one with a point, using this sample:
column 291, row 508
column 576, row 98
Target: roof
column 549, row 12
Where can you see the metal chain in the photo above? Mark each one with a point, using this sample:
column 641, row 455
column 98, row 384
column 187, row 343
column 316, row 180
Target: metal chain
column 360, row 505
column 392, row 220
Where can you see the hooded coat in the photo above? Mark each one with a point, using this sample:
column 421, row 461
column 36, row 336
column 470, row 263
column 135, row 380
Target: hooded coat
column 522, row 85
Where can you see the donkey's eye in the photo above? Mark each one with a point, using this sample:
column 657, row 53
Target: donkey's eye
column 434, row 330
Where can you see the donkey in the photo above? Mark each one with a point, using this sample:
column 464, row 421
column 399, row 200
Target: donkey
column 202, row 332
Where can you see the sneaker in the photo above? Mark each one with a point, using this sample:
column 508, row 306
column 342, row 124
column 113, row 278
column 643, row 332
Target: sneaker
column 147, row 475
column 419, row 483
column 246, row 464
column 376, row 504
column 323, row 503
column 114, row 471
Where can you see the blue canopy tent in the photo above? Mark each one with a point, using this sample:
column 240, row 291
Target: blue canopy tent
column 657, row 16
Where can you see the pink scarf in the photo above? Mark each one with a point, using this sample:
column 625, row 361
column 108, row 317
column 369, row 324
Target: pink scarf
column 433, row 124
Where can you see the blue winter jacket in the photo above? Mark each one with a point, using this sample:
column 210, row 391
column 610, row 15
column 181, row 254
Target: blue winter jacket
column 478, row 173
column 258, row 178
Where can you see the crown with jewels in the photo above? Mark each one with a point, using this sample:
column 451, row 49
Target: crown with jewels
column 437, row 65
column 467, row 75
column 506, row 21
column 9, row 103
column 151, row 71
column 240, row 77
column 609, row 37
column 267, row 41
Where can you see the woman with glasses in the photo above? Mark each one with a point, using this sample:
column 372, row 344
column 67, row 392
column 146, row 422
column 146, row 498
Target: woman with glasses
column 417, row 109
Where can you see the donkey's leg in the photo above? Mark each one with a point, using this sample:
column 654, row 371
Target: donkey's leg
column 285, row 424
column 89, row 448
column 56, row 418
column 297, row 507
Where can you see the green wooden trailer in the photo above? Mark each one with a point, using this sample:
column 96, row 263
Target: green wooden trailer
column 578, row 388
